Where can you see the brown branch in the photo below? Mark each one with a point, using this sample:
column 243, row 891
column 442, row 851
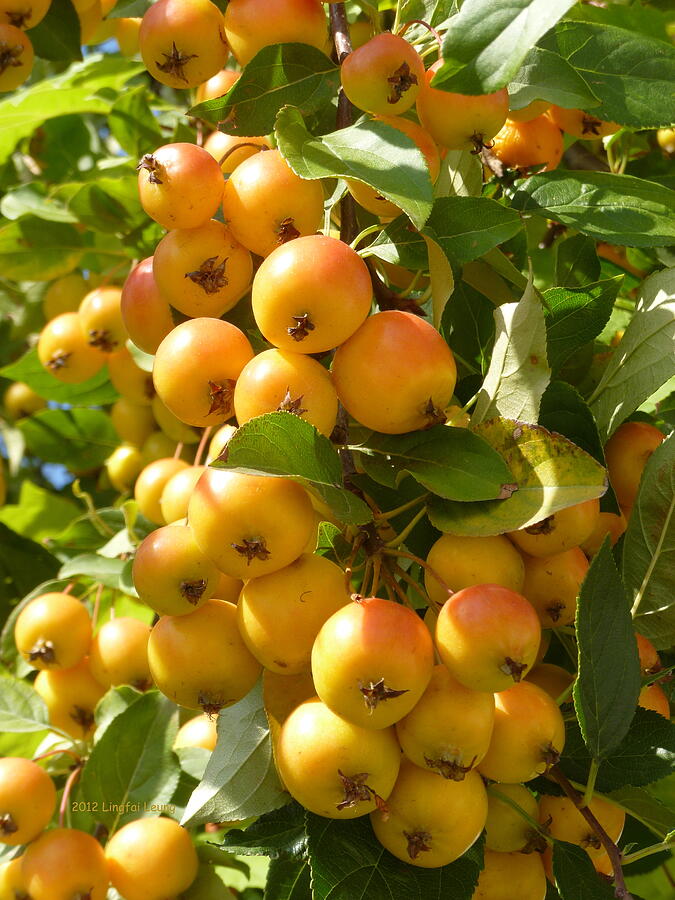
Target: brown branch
column 339, row 28
column 388, row 299
column 620, row 889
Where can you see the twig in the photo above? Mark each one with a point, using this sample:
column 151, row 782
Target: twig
column 339, row 28
column 72, row 778
column 202, row 444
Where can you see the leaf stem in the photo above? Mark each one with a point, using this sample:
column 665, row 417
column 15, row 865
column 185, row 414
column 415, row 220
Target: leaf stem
column 372, row 229
column 621, row 892
column 420, row 562
column 590, row 784
column 403, row 534
column 647, row 851
column 392, row 513
column 72, row 778
column 537, row 826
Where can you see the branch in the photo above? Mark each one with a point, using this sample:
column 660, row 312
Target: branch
column 339, row 29
column 620, row 889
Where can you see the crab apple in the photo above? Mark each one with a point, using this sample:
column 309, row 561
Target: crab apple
column 216, row 86
column 20, row 401
column 23, row 13
column 504, row 872
column 532, row 111
column 119, row 653
column 229, row 588
column 506, row 831
column 333, row 767
column 607, row 524
column 430, row 821
column 63, row 864
column 552, row 585
column 251, row 25
column 528, row 735
column 281, row 381
column 160, row 446
column 466, row 561
column 64, row 295
column 172, row 426
column 132, row 422
column 128, row 379
column 395, row 373
column 127, row 31
column 368, row 197
column 281, row 695
column 180, row 185
column 652, row 696
column 123, row 466
column 627, row 453
column 565, row 822
column 535, row 143
column 553, row 679
column 146, row 314
column 64, row 351
column 581, row 124
column 196, row 368
column 12, row 885
column 448, row 731
column 182, row 42
column 311, row 294
column 202, row 271
column 71, row 696
column 53, row 631
column 383, row 76
column 200, row 660
column 372, row 661
column 171, row 574
column 199, row 731
column 151, row 859
column 250, row 525
column 488, row 637
column 16, row 57
column 101, row 319
column 232, row 149
column 151, row 483
column 177, row 492
column 460, row 121
column 219, row 441
column 279, row 615
column 27, row 800
column 650, row 662
column 265, row 204
column 561, row 531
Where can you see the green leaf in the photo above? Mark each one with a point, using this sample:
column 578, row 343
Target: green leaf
column 550, row 471
column 575, row 316
column 577, row 262
column 468, row 326
column 33, row 249
column 283, row 74
column 133, row 125
column 646, row 754
column 545, row 75
column 109, row 204
column 643, row 806
column 519, row 372
column 75, row 91
column 631, row 74
column 619, row 209
column 288, row 879
column 277, row 834
column 32, row 199
column 282, row 444
column 39, row 513
column 57, row 37
column 486, row 43
column 129, row 9
column 21, row 708
column 23, row 564
column 240, row 779
column 370, row 151
column 132, row 766
column 464, row 227
column 461, row 175
column 575, row 876
column 99, row 568
column 608, row 683
column 451, row 462
column 644, row 359
column 348, row 861
column 565, row 411
column 649, row 547
column 193, row 761
column 82, row 439
column 96, row 391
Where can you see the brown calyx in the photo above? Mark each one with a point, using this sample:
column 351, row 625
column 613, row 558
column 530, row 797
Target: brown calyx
column 418, row 842
column 303, row 326
column 550, row 755
column 149, row 164
column 450, row 768
column 44, row 651
column 59, row 361
column 433, row 414
column 287, row 231
column 18, row 19
column 7, row 824
column 82, row 717
column 513, row 668
column 175, row 62
column 555, row 609
column 591, row 125
column 376, row 692
column 591, row 840
column 211, row 705
column 83, row 895
column 288, row 404
column 221, row 395
column 252, row 548
column 544, row 527
column 149, row 389
column 141, row 684
column 536, row 842
column 192, row 591
column 210, row 277
column 102, row 340
column 10, row 56
column 401, row 81
column 357, row 791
